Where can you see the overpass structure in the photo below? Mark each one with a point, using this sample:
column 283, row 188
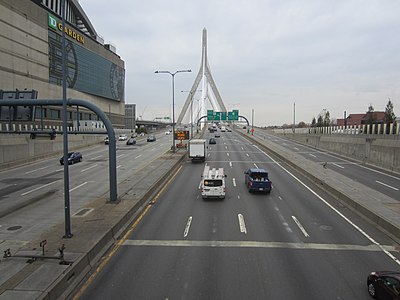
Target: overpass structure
column 210, row 96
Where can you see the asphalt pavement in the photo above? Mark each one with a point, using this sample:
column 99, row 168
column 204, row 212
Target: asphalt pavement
column 54, row 276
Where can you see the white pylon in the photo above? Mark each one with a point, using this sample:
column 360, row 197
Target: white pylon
column 210, row 97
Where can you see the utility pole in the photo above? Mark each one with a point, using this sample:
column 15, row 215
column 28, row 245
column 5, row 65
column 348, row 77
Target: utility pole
column 294, row 117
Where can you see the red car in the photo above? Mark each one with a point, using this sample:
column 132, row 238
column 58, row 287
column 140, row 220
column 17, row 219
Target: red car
column 384, row 285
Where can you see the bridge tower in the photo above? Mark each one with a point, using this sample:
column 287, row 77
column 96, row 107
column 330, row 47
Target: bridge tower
column 210, row 97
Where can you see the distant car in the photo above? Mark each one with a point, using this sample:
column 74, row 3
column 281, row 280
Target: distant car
column 131, row 141
column 217, row 135
column 106, row 140
column 384, row 285
column 122, row 137
column 142, row 134
column 73, row 157
column 133, row 135
column 228, row 129
column 167, row 132
column 151, row 138
column 212, row 141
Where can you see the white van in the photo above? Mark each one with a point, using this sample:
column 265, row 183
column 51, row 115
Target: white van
column 212, row 183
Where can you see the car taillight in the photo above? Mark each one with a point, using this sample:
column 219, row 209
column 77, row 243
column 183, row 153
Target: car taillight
column 251, row 183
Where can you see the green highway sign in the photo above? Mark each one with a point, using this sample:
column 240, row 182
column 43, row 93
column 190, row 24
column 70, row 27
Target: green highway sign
column 222, row 115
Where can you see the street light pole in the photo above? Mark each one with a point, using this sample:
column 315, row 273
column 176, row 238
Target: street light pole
column 173, row 101
column 191, row 110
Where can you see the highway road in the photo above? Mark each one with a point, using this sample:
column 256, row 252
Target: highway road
column 294, row 243
column 380, row 180
column 32, row 196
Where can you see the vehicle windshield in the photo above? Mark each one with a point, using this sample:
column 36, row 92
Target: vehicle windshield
column 259, row 176
column 213, row 182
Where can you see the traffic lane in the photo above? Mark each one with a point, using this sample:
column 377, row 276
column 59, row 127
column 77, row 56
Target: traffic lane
column 41, row 205
column 256, row 216
column 287, row 207
column 310, row 211
column 317, row 214
column 193, row 270
column 381, row 180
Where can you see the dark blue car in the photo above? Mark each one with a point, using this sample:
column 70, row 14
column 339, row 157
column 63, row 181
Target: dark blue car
column 257, row 180
column 73, row 157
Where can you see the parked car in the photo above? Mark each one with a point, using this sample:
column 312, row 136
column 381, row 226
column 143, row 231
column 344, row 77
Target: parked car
column 122, row 137
column 384, row 285
column 151, row 138
column 257, row 180
column 212, row 141
column 131, row 141
column 73, row 157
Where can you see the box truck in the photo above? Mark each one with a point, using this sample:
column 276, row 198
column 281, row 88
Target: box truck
column 197, row 150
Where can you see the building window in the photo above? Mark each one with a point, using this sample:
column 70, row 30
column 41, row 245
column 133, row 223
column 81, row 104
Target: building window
column 55, row 114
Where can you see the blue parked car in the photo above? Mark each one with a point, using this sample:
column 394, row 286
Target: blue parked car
column 257, row 180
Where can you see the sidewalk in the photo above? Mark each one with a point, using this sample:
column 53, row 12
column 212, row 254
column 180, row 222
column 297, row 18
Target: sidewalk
column 93, row 234
column 378, row 208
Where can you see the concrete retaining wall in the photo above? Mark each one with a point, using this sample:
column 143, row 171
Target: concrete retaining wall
column 19, row 149
column 380, row 150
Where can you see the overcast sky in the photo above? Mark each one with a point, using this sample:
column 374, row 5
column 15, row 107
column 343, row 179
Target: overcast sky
column 266, row 55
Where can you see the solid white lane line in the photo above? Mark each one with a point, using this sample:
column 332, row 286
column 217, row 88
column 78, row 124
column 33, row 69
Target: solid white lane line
column 255, row 165
column 389, row 186
column 38, row 169
column 376, row 171
column 335, row 210
column 91, row 167
column 119, row 166
column 138, row 156
column 256, row 244
column 242, row 225
column 186, row 232
column 337, row 165
column 38, row 188
column 300, row 226
column 247, row 155
column 77, row 187
column 234, row 181
column 120, row 155
column 312, row 155
column 230, row 163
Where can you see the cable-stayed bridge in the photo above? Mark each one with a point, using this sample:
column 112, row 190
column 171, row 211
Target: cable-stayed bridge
column 193, row 109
